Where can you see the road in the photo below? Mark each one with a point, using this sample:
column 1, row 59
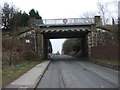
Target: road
column 69, row 72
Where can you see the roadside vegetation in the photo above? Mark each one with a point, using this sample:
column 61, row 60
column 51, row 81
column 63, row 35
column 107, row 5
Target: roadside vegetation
column 13, row 18
column 72, row 46
column 15, row 71
column 110, row 63
column 105, row 61
column 17, row 58
column 17, row 55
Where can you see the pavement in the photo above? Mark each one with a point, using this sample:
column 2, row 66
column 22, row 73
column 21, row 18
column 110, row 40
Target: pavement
column 31, row 78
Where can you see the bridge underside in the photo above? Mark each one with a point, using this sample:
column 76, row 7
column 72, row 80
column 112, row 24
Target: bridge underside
column 66, row 31
column 71, row 31
column 65, row 35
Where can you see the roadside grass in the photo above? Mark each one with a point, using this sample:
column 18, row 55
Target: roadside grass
column 15, row 71
column 111, row 62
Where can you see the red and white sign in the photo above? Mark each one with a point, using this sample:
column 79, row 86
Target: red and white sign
column 65, row 21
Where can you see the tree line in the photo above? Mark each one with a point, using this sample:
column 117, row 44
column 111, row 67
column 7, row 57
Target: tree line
column 12, row 17
column 71, row 45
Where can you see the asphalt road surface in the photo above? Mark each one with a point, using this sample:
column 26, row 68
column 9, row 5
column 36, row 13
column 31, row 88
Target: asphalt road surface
column 69, row 72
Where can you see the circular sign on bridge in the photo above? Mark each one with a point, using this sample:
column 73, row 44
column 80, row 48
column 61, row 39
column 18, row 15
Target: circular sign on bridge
column 65, row 21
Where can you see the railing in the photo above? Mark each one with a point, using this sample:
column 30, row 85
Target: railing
column 66, row 21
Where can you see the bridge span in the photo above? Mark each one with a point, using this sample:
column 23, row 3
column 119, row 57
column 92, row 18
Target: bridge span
column 83, row 28
column 66, row 28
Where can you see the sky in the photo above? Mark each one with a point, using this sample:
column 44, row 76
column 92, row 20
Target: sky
column 49, row 9
column 54, row 9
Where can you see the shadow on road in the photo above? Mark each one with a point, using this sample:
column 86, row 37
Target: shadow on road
column 65, row 58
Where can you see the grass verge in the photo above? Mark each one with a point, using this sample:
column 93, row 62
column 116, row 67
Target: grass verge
column 114, row 64
column 13, row 72
column 111, row 62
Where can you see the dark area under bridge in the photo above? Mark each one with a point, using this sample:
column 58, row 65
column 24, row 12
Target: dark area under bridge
column 65, row 31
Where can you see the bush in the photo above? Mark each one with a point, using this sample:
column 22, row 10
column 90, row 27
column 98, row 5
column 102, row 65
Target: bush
column 15, row 51
column 30, row 55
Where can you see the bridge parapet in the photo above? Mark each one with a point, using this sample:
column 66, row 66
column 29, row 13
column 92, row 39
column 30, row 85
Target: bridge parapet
column 66, row 21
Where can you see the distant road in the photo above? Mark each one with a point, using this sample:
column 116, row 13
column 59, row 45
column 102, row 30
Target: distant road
column 70, row 72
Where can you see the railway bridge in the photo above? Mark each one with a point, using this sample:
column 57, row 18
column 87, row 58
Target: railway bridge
column 84, row 28
column 67, row 28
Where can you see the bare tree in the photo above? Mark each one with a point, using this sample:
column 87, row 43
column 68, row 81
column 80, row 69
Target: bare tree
column 89, row 16
column 113, row 7
column 7, row 13
column 103, row 11
column 116, row 5
column 119, row 21
column 115, row 2
column 0, row 17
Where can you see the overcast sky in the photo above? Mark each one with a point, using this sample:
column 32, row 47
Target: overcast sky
column 52, row 9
